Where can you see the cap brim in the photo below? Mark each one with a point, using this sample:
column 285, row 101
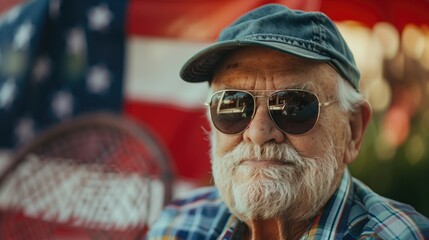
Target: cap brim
column 200, row 67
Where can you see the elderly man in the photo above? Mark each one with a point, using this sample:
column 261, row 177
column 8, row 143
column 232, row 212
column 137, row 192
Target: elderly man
column 287, row 118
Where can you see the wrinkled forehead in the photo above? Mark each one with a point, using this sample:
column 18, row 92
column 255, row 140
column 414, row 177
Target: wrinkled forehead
column 263, row 68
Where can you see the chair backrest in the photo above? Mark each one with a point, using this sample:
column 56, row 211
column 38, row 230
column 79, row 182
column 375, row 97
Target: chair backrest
column 98, row 176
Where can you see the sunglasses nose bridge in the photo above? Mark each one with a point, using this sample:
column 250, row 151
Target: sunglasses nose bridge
column 259, row 100
column 261, row 106
column 259, row 103
column 262, row 129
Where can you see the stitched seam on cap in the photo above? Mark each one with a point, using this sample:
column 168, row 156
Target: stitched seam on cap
column 305, row 44
column 320, row 30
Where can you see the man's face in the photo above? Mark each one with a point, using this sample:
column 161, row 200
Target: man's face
column 264, row 172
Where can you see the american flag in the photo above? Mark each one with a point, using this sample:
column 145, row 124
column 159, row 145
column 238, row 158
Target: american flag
column 59, row 59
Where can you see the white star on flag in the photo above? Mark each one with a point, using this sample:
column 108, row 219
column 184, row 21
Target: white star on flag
column 42, row 68
column 76, row 41
column 13, row 14
column 54, row 8
column 24, row 130
column 7, row 93
column 23, row 35
column 99, row 17
column 62, row 104
column 98, row 79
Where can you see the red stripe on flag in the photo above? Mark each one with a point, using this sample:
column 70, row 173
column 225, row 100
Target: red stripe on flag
column 194, row 20
column 181, row 132
column 6, row 5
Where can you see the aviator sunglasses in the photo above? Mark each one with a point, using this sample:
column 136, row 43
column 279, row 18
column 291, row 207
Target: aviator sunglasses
column 293, row 111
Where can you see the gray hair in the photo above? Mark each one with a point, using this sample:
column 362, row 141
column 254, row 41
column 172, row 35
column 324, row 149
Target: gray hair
column 349, row 98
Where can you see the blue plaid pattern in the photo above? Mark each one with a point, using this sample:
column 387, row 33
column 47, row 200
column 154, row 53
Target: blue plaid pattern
column 353, row 212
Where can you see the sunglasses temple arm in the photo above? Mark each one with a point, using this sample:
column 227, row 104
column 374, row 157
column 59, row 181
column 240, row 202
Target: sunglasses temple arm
column 325, row 104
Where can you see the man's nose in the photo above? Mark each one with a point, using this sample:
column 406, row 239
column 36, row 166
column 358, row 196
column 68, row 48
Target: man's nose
column 262, row 129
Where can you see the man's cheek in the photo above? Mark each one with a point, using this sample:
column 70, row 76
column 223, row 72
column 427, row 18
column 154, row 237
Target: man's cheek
column 226, row 143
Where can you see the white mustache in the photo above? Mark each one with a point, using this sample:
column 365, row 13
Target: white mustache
column 267, row 152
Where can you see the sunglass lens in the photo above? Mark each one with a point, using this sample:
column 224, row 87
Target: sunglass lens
column 294, row 111
column 231, row 111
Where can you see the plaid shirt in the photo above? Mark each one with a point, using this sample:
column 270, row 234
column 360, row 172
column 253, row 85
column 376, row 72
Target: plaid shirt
column 353, row 212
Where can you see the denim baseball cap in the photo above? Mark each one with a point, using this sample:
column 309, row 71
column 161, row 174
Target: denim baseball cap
column 309, row 35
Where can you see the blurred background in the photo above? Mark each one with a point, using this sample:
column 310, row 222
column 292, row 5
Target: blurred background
column 61, row 58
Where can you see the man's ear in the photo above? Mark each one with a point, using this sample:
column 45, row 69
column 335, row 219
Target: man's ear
column 358, row 123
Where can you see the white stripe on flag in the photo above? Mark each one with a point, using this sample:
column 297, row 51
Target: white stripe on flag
column 152, row 72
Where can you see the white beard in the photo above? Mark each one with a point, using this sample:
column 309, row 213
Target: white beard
column 297, row 190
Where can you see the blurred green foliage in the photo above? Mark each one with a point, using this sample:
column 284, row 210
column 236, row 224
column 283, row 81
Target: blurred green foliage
column 400, row 173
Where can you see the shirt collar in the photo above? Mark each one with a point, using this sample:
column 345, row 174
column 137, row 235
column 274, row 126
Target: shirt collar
column 331, row 223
